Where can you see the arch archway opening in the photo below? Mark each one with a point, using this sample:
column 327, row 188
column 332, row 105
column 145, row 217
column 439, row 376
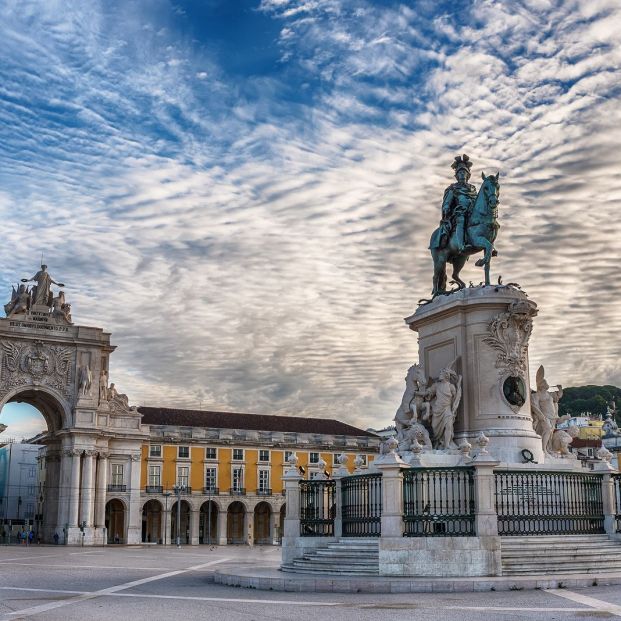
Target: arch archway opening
column 262, row 524
column 184, row 522
column 31, row 412
column 115, row 521
column 152, row 522
column 236, row 523
column 208, row 523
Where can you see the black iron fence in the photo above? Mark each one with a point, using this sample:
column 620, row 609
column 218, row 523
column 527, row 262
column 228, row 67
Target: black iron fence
column 361, row 497
column 616, row 478
column 438, row 502
column 549, row 503
column 317, row 508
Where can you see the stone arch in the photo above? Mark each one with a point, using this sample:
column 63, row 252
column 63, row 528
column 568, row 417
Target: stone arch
column 184, row 524
column 236, row 516
column 152, row 516
column 116, row 520
column 54, row 409
column 262, row 523
column 208, row 522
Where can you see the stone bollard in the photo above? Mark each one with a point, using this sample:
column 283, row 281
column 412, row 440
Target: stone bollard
column 486, row 518
column 390, row 466
column 609, row 504
column 291, row 529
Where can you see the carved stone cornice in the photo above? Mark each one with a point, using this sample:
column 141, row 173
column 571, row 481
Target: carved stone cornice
column 103, row 455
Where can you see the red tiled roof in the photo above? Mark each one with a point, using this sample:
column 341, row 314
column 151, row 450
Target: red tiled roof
column 255, row 422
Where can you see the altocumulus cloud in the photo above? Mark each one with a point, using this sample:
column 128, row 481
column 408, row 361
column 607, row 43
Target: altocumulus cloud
column 253, row 226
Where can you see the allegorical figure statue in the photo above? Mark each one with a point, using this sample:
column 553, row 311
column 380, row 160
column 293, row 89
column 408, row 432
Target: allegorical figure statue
column 41, row 294
column 445, row 395
column 20, row 301
column 544, row 408
column 468, row 225
column 414, row 408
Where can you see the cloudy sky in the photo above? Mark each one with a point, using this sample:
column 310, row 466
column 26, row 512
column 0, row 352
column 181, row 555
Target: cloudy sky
column 243, row 192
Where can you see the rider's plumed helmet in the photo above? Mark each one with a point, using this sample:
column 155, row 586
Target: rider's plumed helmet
column 462, row 162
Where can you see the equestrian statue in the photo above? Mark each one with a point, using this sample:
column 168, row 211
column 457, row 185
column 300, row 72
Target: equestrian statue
column 469, row 225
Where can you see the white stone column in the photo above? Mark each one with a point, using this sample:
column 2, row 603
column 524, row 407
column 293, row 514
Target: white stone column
column 166, row 527
column 101, row 490
column 291, row 529
column 221, row 534
column 274, row 526
column 134, row 528
column 86, row 509
column 194, row 526
column 486, row 518
column 609, row 502
column 74, row 488
column 64, row 481
column 390, row 466
column 248, row 527
column 338, row 516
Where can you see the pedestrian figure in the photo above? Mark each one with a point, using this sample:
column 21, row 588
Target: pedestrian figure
column 56, row 537
column 30, row 536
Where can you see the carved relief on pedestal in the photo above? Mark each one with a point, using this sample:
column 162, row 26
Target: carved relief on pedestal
column 35, row 363
column 509, row 333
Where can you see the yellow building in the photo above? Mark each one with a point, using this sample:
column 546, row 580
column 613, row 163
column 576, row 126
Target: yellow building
column 226, row 470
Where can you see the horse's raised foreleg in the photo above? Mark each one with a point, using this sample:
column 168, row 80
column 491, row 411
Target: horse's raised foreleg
column 458, row 264
column 439, row 273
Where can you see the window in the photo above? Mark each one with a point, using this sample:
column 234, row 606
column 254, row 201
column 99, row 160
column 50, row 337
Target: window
column 183, row 476
column 363, row 459
column 238, row 479
column 184, row 452
column 211, row 479
column 264, row 455
column 154, row 476
column 264, row 480
column 238, row 454
column 155, row 450
column 32, row 490
column 117, row 474
column 314, row 458
column 32, row 472
column 335, row 459
column 210, row 453
column 29, row 510
column 288, row 455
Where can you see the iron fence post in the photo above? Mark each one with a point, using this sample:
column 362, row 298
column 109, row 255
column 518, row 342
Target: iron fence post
column 338, row 500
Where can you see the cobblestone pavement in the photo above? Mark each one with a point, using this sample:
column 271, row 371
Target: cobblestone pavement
column 59, row 583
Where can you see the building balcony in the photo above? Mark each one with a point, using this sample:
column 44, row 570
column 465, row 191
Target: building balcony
column 153, row 489
column 264, row 492
column 241, row 491
column 185, row 490
column 117, row 488
column 211, row 491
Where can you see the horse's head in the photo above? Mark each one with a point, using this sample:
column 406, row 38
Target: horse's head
column 490, row 190
column 415, row 374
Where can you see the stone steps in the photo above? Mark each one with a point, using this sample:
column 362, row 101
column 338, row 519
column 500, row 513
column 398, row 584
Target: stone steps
column 346, row 557
column 574, row 554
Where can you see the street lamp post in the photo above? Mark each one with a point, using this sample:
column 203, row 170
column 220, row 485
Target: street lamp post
column 178, row 489
column 166, row 496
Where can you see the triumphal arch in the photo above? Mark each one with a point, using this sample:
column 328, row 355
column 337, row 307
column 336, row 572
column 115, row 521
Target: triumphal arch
column 62, row 369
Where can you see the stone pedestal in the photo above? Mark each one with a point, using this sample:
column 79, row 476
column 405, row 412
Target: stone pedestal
column 487, row 330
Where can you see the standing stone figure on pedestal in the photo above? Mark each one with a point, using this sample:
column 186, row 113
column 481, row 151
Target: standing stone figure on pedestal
column 445, row 395
column 544, row 407
column 41, row 294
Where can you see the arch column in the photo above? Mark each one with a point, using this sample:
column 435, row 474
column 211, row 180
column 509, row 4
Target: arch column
column 86, row 509
column 194, row 525
column 64, row 480
column 166, row 519
column 274, row 525
column 134, row 521
column 74, row 488
column 221, row 534
column 101, row 491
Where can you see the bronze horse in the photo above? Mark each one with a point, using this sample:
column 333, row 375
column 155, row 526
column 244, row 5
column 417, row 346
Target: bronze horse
column 481, row 230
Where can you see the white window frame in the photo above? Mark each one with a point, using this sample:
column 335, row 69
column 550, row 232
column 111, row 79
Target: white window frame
column 150, row 476
column 151, row 455
column 207, row 468
column 243, row 477
column 264, row 461
column 215, row 450
column 310, row 457
column 269, row 478
column 238, row 459
column 179, row 477
column 286, row 455
column 116, row 470
column 179, row 456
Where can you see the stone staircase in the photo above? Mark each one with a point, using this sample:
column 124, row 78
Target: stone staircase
column 349, row 556
column 561, row 554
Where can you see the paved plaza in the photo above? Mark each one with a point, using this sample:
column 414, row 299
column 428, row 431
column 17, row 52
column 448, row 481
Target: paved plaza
column 58, row 583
